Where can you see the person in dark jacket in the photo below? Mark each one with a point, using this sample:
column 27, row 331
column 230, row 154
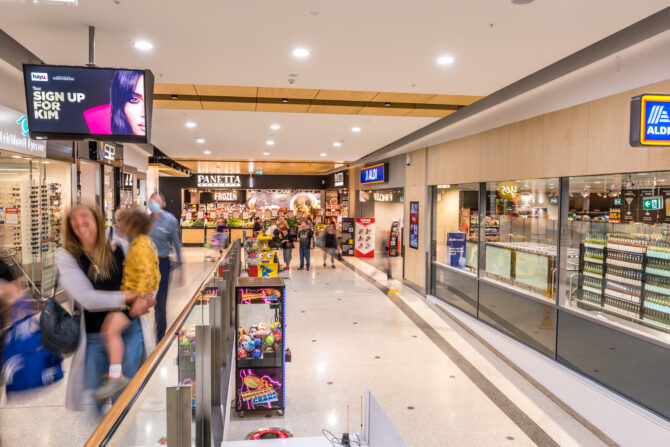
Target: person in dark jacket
column 330, row 244
column 258, row 227
column 306, row 240
column 287, row 246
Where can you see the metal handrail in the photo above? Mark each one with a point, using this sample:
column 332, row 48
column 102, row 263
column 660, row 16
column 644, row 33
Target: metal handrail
column 107, row 427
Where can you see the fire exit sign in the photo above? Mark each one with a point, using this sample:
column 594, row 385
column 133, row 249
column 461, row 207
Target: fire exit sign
column 652, row 203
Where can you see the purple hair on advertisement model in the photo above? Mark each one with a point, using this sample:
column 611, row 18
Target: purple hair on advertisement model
column 120, row 93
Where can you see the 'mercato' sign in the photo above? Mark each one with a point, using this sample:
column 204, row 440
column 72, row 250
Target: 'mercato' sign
column 650, row 120
column 219, row 181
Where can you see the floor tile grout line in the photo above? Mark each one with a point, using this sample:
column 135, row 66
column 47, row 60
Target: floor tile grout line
column 509, row 408
column 550, row 395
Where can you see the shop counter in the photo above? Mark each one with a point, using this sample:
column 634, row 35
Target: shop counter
column 236, row 233
column 192, row 236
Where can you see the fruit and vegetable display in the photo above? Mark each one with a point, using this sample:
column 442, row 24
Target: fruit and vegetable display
column 258, row 340
column 193, row 223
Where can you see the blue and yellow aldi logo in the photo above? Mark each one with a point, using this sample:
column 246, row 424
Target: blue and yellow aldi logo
column 650, row 120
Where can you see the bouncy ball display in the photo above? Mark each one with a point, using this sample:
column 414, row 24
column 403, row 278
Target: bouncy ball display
column 257, row 353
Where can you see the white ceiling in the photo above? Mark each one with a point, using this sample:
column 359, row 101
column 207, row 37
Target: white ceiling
column 377, row 45
column 302, row 136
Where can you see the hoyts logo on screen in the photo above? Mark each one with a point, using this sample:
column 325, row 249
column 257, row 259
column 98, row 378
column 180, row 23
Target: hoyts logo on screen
column 39, row 77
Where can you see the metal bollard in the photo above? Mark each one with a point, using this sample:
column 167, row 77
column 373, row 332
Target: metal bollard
column 203, row 383
column 178, row 416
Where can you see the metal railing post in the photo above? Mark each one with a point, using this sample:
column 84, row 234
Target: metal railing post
column 224, row 318
column 216, row 347
column 178, row 415
column 203, row 383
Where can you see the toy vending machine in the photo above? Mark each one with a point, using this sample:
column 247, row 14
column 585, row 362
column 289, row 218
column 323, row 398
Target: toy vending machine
column 393, row 243
column 260, row 361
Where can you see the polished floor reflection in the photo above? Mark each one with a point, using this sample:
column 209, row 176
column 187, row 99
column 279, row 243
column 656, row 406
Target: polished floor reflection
column 346, row 335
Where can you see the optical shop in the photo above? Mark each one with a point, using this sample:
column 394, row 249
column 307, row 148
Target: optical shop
column 35, row 189
column 574, row 266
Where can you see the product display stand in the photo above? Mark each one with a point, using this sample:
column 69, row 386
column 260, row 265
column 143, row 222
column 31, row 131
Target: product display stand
column 260, row 360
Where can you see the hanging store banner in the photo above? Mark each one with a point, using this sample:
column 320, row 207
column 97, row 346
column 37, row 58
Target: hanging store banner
column 650, row 120
column 365, row 238
column 373, row 174
column 14, row 134
column 508, row 190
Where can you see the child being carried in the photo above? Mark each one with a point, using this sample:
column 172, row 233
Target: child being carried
column 141, row 274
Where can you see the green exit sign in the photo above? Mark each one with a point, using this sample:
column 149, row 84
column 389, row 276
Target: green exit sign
column 652, row 203
column 259, row 172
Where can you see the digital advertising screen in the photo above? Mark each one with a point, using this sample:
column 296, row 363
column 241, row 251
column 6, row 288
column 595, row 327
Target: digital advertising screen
column 89, row 102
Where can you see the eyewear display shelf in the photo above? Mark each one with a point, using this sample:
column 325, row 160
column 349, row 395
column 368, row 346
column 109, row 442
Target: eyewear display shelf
column 260, row 359
column 626, row 276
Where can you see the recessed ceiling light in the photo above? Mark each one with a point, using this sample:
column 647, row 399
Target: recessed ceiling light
column 16, row 156
column 46, row 162
column 266, row 153
column 206, row 152
column 301, row 53
column 337, row 144
column 445, row 60
column 521, row 2
column 275, row 127
column 144, row 45
column 323, row 154
column 200, row 140
column 190, row 124
column 355, row 129
column 270, row 142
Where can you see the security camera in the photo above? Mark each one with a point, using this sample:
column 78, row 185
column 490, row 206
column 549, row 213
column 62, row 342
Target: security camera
column 408, row 160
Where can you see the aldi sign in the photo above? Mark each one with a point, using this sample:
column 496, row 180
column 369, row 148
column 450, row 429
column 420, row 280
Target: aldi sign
column 650, row 120
column 373, row 174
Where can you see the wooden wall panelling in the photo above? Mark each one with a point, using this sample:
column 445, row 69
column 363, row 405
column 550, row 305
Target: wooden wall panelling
column 345, row 95
column 525, row 147
column 609, row 150
column 171, row 104
column 226, row 90
column 174, row 89
column 566, row 142
column 495, row 157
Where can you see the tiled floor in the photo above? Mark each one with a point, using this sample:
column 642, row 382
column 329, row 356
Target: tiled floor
column 346, row 336
column 39, row 418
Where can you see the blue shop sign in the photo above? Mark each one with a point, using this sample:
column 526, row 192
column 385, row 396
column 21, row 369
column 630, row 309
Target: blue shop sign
column 650, row 120
column 373, row 174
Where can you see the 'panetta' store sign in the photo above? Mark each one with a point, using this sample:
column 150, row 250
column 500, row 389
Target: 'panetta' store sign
column 650, row 120
column 14, row 134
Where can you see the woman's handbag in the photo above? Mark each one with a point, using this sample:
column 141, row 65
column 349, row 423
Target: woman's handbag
column 26, row 363
column 60, row 330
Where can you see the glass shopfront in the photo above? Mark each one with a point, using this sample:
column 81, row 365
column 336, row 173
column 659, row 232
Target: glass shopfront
column 577, row 268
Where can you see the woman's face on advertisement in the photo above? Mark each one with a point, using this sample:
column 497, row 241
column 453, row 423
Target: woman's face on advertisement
column 134, row 109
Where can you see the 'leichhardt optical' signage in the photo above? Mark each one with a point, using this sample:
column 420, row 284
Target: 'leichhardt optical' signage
column 225, row 196
column 650, row 120
column 373, row 174
column 14, row 134
column 219, row 181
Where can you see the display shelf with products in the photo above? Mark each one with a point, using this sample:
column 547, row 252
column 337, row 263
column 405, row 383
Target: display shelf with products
column 260, row 359
column 492, row 229
column 473, row 235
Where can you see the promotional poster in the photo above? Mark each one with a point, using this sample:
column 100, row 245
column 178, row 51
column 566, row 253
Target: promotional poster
column 83, row 102
column 414, row 225
column 456, row 249
column 365, row 238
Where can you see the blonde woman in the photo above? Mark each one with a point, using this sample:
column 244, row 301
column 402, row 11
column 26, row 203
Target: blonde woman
column 90, row 272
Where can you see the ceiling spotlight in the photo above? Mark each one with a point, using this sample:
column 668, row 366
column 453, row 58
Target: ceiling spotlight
column 275, row 127
column 266, row 153
column 200, row 140
column 284, row 100
column 323, row 154
column 16, row 156
column 270, row 142
column 337, row 144
column 445, row 60
column 174, row 96
column 521, row 2
column 206, row 152
column 190, row 124
column 387, row 104
column 301, row 53
column 144, row 45
column 355, row 129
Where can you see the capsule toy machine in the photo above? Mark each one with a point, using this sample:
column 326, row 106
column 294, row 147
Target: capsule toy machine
column 260, row 357
column 268, row 265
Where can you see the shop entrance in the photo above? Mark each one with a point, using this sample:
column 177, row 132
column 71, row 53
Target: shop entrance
column 386, row 206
